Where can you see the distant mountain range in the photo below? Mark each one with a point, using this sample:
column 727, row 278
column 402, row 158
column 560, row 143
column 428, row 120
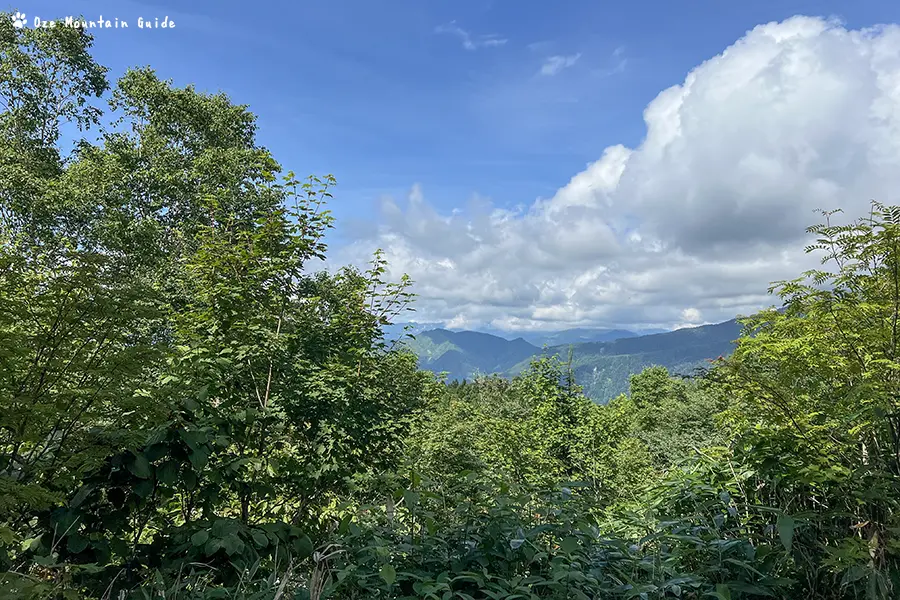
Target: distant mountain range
column 535, row 338
column 464, row 354
column 579, row 336
column 603, row 359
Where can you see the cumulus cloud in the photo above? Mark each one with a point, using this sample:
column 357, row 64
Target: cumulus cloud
column 691, row 225
column 469, row 41
column 554, row 64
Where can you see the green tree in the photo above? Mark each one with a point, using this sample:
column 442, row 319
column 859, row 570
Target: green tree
column 76, row 324
column 178, row 387
column 814, row 399
column 676, row 417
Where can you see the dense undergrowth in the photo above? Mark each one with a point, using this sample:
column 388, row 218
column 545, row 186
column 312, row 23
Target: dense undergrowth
column 190, row 410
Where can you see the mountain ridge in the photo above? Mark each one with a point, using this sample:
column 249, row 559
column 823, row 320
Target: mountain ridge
column 601, row 367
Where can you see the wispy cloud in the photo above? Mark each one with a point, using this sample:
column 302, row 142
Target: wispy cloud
column 554, row 64
column 619, row 60
column 542, row 45
column 617, row 63
column 469, row 41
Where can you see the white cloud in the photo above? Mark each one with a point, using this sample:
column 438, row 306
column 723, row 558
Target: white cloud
column 554, row 64
column 692, row 224
column 692, row 316
column 619, row 61
column 470, row 42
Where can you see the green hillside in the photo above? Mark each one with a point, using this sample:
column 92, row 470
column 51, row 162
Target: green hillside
column 464, row 354
column 602, row 368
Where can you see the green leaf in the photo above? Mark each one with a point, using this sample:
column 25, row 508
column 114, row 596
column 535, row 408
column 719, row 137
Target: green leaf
column 224, row 527
column 140, row 467
column 212, row 546
column 76, row 543
column 388, row 574
column 155, row 452
column 6, row 535
column 198, row 458
column 749, row 588
column 232, row 544
column 45, row 561
column 723, row 592
column 167, row 473
column 345, row 523
column 260, row 539
column 410, row 499
column 143, row 488
column 200, row 538
column 569, row 545
column 303, row 546
column 785, row 527
column 192, row 438
column 83, row 492
column 119, row 546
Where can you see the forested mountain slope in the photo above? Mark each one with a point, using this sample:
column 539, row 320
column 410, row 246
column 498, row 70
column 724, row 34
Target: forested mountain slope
column 463, row 354
column 602, row 368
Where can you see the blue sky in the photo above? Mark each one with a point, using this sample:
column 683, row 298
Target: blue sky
column 504, row 99
column 372, row 92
